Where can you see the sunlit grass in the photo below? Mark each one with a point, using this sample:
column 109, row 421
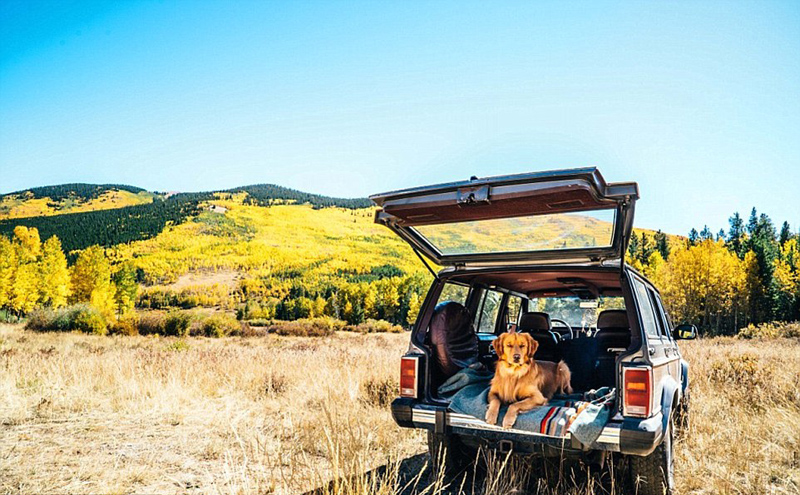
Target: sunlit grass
column 88, row 414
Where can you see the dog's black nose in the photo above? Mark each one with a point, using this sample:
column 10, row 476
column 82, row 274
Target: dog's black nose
column 517, row 357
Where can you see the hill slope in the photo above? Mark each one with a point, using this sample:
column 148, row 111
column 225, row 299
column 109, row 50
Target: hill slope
column 70, row 198
column 85, row 214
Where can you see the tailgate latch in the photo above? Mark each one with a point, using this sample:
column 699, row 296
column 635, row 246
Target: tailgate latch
column 473, row 196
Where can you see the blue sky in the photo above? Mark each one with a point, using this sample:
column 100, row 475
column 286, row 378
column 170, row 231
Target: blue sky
column 699, row 102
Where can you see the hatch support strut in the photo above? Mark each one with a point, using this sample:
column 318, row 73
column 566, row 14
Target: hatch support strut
column 435, row 275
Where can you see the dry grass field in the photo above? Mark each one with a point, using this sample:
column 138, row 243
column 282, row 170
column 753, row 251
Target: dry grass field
column 89, row 414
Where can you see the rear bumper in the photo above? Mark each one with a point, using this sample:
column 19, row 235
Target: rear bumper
column 627, row 436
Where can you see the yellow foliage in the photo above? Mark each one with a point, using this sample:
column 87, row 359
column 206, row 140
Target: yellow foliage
column 22, row 205
column 787, row 267
column 54, row 275
column 8, row 265
column 91, row 280
column 29, row 246
column 703, row 283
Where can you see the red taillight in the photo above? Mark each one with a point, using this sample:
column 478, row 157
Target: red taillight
column 408, row 376
column 638, row 385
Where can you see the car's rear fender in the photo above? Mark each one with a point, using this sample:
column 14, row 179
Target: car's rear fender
column 671, row 393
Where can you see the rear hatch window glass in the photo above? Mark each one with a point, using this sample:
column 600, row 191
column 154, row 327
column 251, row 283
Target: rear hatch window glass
column 546, row 232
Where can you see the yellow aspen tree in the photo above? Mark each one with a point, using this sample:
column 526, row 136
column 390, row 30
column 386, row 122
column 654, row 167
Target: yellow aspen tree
column 8, row 265
column 25, row 285
column 24, row 292
column 29, row 245
column 654, row 270
column 414, row 304
column 125, row 287
column 53, row 274
column 91, row 280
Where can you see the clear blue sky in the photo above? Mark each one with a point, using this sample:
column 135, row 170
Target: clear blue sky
column 697, row 101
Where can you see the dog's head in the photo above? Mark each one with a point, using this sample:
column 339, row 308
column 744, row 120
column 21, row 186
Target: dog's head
column 515, row 349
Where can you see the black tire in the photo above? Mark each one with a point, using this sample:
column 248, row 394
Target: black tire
column 654, row 474
column 448, row 456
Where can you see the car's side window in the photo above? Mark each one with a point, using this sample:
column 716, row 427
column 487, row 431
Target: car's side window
column 489, row 310
column 646, row 309
column 454, row 292
column 660, row 323
column 513, row 309
column 666, row 326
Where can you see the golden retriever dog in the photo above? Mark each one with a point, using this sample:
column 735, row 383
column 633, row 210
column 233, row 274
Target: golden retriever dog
column 521, row 381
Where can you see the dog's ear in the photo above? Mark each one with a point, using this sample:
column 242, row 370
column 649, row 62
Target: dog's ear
column 498, row 345
column 532, row 346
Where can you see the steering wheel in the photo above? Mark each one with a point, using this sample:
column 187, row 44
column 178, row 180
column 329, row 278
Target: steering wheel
column 571, row 331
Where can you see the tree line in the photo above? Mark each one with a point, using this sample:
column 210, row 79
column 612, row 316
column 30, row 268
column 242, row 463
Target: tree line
column 35, row 274
column 747, row 274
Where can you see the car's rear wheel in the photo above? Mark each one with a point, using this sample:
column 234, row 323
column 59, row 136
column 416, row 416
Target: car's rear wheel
column 449, row 457
column 654, row 474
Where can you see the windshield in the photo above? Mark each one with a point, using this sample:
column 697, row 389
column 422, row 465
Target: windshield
column 578, row 313
column 554, row 231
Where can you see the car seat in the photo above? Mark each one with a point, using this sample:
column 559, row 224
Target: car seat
column 453, row 340
column 537, row 324
column 613, row 337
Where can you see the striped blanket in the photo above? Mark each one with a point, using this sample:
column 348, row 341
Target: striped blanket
column 583, row 415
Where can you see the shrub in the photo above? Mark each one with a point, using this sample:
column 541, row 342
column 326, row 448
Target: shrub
column 219, row 325
column 176, row 324
column 772, row 330
column 375, row 326
column 89, row 320
column 305, row 327
column 126, row 325
column 42, row 320
column 82, row 317
column 179, row 345
column 151, row 323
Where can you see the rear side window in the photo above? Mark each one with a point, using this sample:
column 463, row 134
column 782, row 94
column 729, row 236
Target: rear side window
column 454, row 292
column 645, row 308
column 513, row 309
column 666, row 327
column 488, row 311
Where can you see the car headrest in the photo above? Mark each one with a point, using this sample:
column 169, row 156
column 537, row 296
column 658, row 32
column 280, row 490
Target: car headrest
column 613, row 318
column 534, row 321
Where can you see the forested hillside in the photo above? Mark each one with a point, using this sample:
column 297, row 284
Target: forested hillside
column 82, row 215
column 70, row 198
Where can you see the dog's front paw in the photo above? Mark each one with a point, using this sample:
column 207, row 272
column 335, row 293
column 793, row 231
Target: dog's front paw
column 491, row 416
column 509, row 420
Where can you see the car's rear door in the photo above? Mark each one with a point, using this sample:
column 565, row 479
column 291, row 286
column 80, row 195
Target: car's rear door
column 568, row 216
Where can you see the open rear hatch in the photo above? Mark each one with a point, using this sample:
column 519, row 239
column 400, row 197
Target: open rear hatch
column 566, row 216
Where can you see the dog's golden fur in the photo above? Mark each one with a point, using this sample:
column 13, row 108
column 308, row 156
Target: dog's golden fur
column 521, row 381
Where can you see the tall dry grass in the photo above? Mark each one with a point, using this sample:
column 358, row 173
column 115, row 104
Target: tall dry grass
column 89, row 414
